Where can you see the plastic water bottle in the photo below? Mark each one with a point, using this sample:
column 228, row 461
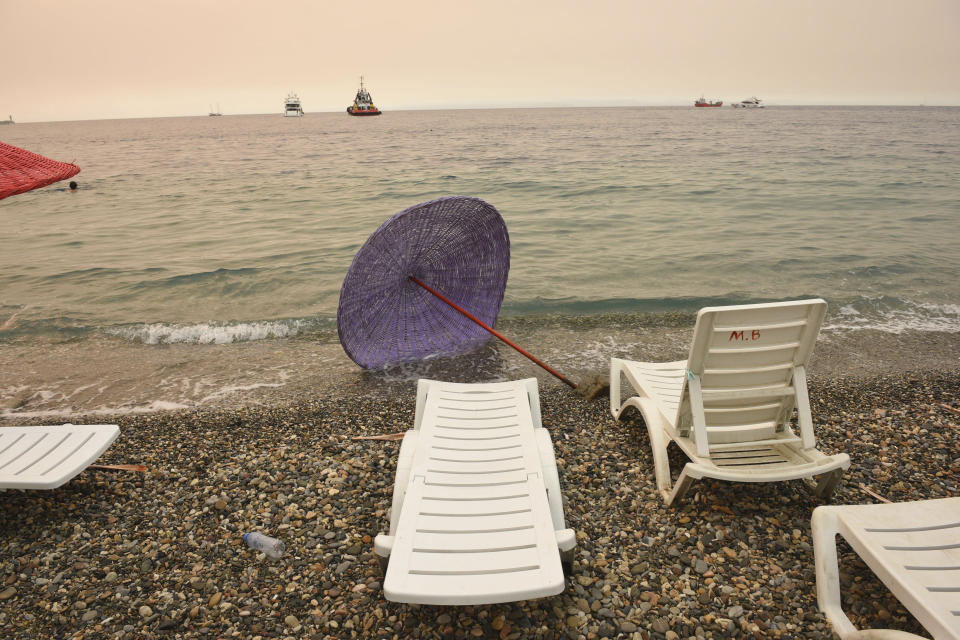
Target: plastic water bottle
column 259, row 542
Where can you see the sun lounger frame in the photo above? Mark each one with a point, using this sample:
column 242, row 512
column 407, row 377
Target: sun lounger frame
column 913, row 547
column 728, row 406
column 46, row 457
column 477, row 514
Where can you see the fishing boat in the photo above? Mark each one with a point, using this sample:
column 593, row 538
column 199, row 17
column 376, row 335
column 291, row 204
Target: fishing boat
column 703, row 102
column 291, row 106
column 363, row 103
column 749, row 103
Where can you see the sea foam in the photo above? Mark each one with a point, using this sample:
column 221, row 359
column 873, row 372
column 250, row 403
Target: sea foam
column 206, row 333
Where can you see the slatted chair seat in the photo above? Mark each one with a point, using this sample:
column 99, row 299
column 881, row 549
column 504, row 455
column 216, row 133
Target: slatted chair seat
column 46, row 457
column 728, row 406
column 913, row 547
column 477, row 516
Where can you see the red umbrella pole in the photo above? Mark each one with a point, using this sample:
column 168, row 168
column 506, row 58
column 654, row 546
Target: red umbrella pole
column 480, row 322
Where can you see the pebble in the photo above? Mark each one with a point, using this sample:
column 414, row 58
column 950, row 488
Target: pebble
column 660, row 625
column 728, row 559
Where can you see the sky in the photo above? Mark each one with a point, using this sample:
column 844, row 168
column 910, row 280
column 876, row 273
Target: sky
column 93, row 59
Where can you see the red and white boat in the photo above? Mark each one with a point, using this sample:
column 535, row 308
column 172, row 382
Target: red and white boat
column 703, row 102
column 363, row 103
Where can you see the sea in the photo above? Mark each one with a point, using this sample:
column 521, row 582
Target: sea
column 201, row 258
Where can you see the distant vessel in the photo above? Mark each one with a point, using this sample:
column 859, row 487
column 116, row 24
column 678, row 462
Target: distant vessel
column 363, row 103
column 215, row 113
column 703, row 102
column 10, row 121
column 749, row 103
column 291, row 106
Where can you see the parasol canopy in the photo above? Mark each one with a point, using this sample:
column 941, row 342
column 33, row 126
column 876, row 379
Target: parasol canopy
column 22, row 170
column 457, row 244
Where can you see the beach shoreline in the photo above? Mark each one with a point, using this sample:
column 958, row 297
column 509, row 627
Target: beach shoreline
column 123, row 555
column 54, row 378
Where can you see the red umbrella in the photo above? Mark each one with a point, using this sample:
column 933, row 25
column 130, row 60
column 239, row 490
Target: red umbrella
column 22, row 170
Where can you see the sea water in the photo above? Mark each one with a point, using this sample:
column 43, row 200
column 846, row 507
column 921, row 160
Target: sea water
column 238, row 230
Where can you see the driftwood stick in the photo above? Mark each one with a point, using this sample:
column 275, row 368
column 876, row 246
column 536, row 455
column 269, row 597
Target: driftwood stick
column 873, row 493
column 139, row 468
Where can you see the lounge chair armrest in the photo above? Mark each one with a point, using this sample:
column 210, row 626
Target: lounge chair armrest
column 551, row 480
column 404, row 462
column 566, row 539
column 882, row 634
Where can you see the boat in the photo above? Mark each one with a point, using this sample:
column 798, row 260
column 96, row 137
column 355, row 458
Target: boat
column 291, row 106
column 363, row 103
column 8, row 121
column 703, row 102
column 749, row 103
column 215, row 113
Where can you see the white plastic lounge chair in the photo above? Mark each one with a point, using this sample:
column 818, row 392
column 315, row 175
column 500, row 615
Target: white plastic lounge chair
column 913, row 547
column 729, row 405
column 47, row 457
column 477, row 515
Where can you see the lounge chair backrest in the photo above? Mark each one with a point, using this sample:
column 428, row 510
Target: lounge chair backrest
column 423, row 386
column 745, row 373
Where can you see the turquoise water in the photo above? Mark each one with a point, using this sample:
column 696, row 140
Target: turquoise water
column 239, row 228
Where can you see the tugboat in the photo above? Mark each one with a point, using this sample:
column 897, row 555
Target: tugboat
column 703, row 102
column 291, row 106
column 363, row 103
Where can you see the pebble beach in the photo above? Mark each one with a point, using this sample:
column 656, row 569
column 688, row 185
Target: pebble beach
column 160, row 554
column 189, row 291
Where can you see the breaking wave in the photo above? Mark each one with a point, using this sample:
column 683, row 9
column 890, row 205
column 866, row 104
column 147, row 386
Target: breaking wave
column 207, row 333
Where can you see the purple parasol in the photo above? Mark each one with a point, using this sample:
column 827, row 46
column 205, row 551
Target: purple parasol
column 458, row 245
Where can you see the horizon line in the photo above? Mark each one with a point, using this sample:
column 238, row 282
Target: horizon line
column 498, row 108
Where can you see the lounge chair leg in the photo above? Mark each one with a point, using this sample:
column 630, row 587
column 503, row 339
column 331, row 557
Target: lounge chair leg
column 680, row 489
column 566, row 562
column 658, row 446
column 615, row 404
column 827, row 483
column 824, row 528
column 383, row 562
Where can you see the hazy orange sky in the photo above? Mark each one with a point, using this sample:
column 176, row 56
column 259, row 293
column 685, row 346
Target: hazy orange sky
column 69, row 59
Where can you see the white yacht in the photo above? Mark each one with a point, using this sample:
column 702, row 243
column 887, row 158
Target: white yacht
column 291, row 106
column 749, row 103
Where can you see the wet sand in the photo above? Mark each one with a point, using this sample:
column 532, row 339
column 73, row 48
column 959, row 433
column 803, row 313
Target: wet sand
column 102, row 375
